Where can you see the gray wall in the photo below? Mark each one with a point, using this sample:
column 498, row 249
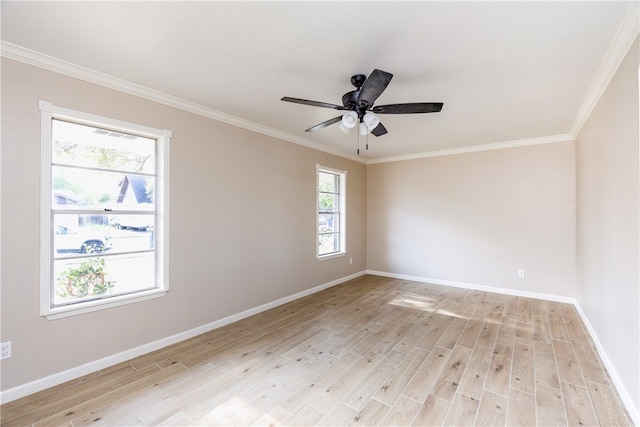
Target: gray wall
column 477, row 218
column 242, row 219
column 607, row 222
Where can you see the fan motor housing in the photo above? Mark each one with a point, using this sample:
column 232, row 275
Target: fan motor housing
column 350, row 99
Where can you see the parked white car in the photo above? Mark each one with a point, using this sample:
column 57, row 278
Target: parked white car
column 87, row 241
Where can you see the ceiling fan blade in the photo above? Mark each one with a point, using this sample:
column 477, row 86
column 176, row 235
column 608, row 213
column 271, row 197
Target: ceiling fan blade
column 373, row 87
column 379, row 130
column 410, row 108
column 324, row 124
column 312, row 103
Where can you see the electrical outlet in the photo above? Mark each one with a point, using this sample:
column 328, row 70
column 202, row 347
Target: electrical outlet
column 5, row 350
column 521, row 273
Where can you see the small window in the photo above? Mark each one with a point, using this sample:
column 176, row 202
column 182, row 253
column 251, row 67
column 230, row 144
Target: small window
column 331, row 212
column 104, row 217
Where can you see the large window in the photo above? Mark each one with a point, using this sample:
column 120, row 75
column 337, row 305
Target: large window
column 104, row 212
column 331, row 212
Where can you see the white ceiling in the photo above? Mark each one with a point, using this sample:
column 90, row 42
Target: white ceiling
column 506, row 71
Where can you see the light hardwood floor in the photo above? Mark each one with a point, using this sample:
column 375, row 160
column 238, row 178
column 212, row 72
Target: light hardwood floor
column 373, row 351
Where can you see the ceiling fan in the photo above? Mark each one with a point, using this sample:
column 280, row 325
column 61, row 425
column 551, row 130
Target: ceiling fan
column 359, row 105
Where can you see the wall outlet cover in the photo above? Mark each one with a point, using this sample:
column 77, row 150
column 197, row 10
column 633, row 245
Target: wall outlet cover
column 5, row 350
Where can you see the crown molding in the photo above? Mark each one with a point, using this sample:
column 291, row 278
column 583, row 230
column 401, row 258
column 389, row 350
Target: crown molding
column 476, row 148
column 31, row 57
column 622, row 42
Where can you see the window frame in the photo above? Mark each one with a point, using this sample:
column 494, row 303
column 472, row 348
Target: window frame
column 342, row 211
column 49, row 112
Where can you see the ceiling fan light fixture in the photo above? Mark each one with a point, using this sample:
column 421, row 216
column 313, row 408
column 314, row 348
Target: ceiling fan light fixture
column 371, row 121
column 350, row 119
column 358, row 105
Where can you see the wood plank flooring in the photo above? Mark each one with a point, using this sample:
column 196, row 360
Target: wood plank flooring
column 373, row 351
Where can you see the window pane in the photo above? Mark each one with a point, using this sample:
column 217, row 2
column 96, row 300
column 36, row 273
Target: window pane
column 328, row 243
column 328, row 222
column 82, row 234
column 132, row 222
column 328, row 202
column 327, row 182
column 88, row 146
column 84, row 279
column 74, row 188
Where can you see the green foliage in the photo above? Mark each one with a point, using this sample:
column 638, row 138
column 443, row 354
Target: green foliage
column 105, row 197
column 61, row 183
column 106, row 157
column 81, row 189
column 90, row 191
column 89, row 278
column 327, row 192
column 326, row 197
column 326, row 202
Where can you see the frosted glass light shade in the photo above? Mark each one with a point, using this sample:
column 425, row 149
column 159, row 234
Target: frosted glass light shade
column 371, row 121
column 350, row 119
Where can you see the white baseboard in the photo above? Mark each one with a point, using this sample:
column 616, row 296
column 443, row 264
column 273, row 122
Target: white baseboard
column 96, row 365
column 629, row 403
column 70, row 374
column 465, row 285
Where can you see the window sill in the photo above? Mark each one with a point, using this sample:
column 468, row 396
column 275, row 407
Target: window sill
column 90, row 306
column 330, row 256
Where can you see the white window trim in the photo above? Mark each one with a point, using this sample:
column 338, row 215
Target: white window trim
column 343, row 213
column 49, row 112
